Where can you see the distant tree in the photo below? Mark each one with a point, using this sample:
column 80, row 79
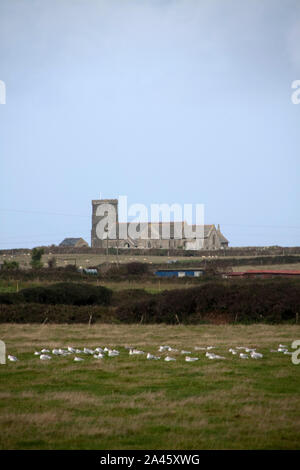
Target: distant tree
column 10, row 265
column 36, row 256
column 136, row 268
column 52, row 262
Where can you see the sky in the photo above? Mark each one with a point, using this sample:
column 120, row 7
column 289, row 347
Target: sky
column 164, row 101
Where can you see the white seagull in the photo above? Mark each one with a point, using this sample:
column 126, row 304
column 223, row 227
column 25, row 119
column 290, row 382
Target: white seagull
column 113, row 353
column 45, row 357
column 186, row 352
column 191, row 359
column 163, row 348
column 98, row 356
column 135, row 352
column 213, row 356
column 244, row 356
column 12, row 358
column 256, row 355
column 151, row 356
column 77, row 359
column 88, row 351
column 168, row 359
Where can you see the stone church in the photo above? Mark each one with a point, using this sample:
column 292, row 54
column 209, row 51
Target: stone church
column 150, row 235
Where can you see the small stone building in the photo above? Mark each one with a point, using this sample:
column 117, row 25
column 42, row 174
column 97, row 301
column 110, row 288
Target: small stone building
column 73, row 243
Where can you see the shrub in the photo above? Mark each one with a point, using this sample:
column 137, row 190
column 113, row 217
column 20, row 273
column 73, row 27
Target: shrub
column 137, row 268
column 123, row 271
column 68, row 273
column 52, row 262
column 39, row 313
column 272, row 301
column 61, row 293
column 10, row 265
column 36, row 256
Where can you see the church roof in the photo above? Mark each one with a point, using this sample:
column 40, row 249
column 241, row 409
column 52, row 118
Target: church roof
column 157, row 227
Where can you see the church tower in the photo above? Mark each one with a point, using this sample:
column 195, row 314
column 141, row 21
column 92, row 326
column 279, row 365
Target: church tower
column 101, row 208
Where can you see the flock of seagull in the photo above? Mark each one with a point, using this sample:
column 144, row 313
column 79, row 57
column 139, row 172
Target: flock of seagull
column 100, row 353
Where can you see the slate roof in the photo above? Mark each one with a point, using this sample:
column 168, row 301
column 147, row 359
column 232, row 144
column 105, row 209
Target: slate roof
column 157, row 226
column 70, row 241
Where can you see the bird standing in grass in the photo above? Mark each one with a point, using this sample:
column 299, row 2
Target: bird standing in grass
column 151, row 356
column 256, row 355
column 244, row 356
column 12, row 358
column 45, row 357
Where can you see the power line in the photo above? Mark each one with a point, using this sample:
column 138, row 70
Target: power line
column 88, row 216
column 44, row 213
column 262, row 226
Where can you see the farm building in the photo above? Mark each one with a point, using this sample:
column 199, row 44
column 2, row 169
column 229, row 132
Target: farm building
column 189, row 272
column 151, row 235
column 74, row 242
column 262, row 273
column 93, row 271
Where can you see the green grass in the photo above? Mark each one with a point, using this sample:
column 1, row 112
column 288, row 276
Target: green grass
column 153, row 286
column 131, row 403
column 92, row 259
column 15, row 286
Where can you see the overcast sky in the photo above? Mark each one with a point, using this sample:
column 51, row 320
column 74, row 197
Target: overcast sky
column 165, row 101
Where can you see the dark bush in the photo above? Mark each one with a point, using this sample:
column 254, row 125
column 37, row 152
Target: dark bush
column 272, row 301
column 129, row 296
column 10, row 265
column 61, row 293
column 52, row 262
column 40, row 313
column 125, row 271
column 72, row 268
column 36, row 258
column 137, row 268
column 10, row 298
column 68, row 273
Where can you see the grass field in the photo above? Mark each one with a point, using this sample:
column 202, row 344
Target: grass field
column 153, row 286
column 85, row 260
column 128, row 402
